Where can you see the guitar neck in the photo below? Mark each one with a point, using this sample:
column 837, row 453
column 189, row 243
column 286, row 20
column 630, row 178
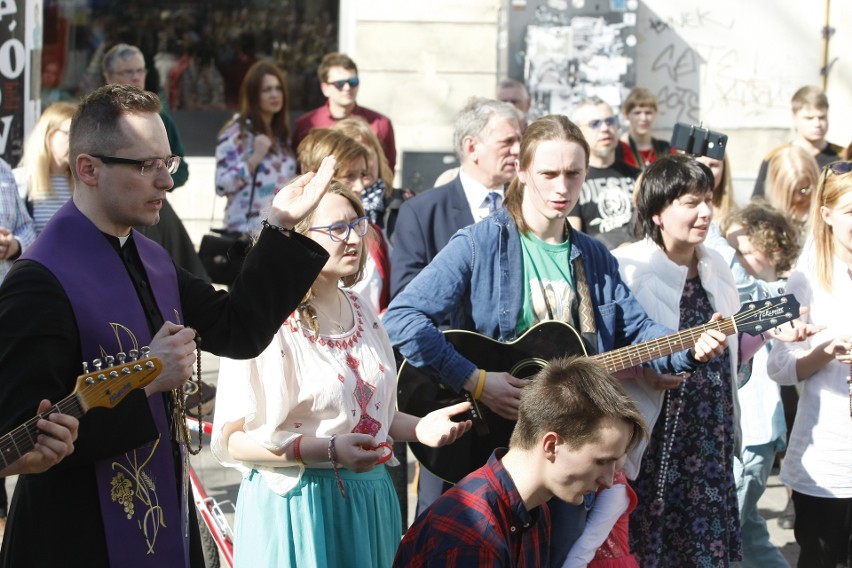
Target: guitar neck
column 23, row 438
column 633, row 355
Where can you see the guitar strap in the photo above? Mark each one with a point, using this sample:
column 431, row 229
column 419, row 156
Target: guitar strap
column 586, row 313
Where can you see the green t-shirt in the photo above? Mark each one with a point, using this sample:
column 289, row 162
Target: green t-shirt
column 548, row 288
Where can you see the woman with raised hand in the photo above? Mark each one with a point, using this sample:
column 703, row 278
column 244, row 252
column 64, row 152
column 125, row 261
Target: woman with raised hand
column 309, row 422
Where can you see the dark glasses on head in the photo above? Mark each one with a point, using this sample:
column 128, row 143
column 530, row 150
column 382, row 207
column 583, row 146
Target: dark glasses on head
column 840, row 168
column 352, row 82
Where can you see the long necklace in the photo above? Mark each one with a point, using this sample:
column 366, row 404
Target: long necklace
column 337, row 323
column 674, row 403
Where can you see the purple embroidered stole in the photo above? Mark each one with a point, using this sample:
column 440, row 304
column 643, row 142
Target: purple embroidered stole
column 143, row 513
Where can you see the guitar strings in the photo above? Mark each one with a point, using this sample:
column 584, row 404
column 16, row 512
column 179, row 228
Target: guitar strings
column 624, row 357
column 23, row 438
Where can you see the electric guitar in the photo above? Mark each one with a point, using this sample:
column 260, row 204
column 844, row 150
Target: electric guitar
column 420, row 391
column 103, row 387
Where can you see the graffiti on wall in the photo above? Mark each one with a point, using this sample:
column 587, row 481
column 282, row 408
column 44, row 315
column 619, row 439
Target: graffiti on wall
column 573, row 52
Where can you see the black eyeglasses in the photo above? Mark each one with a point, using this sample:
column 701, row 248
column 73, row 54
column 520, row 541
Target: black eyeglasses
column 840, row 168
column 339, row 232
column 610, row 121
column 351, row 81
column 150, row 167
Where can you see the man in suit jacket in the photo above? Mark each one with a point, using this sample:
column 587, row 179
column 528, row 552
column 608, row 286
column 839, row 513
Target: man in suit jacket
column 486, row 139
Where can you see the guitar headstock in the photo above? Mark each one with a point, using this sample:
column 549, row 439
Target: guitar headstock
column 762, row 315
column 107, row 386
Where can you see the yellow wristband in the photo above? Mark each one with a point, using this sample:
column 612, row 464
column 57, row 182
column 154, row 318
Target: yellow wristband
column 480, row 385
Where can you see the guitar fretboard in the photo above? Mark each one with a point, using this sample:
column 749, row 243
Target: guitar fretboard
column 633, row 355
column 23, row 438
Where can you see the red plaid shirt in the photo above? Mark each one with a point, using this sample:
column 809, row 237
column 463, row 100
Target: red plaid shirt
column 479, row 522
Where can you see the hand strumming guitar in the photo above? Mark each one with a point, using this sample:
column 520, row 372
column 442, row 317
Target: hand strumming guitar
column 502, row 392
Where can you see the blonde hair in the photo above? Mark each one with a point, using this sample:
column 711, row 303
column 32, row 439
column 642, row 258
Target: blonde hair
column 723, row 194
column 322, row 142
column 357, row 128
column 37, row 156
column 791, row 169
column 831, row 188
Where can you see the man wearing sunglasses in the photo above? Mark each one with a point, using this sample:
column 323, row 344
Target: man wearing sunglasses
column 339, row 82
column 605, row 209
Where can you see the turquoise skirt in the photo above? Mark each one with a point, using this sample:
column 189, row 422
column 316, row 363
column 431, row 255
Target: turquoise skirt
column 313, row 526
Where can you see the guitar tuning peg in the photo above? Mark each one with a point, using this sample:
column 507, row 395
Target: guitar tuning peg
column 85, row 367
column 110, row 360
column 134, row 354
column 98, row 364
column 122, row 357
column 146, row 352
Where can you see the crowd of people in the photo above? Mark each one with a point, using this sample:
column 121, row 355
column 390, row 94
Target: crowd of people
column 556, row 219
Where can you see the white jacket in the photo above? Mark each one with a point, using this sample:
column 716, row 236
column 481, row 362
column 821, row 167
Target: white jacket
column 657, row 283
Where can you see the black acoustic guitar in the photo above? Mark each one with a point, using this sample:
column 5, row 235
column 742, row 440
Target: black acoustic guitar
column 421, row 391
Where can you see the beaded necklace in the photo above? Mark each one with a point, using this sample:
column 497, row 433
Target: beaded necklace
column 674, row 402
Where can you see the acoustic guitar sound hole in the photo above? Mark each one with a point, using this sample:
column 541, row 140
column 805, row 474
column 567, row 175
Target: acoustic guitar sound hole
column 526, row 368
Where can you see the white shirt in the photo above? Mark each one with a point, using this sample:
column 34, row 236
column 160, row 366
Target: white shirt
column 819, row 452
column 477, row 195
column 306, row 385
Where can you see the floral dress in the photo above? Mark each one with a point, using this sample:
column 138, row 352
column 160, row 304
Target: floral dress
column 687, row 513
column 234, row 180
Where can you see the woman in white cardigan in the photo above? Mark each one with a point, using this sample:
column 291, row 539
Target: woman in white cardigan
column 687, row 512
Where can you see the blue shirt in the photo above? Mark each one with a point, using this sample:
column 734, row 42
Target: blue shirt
column 475, row 282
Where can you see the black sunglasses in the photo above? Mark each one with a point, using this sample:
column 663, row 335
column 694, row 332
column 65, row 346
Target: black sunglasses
column 352, row 82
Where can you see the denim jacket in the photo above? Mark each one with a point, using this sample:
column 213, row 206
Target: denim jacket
column 475, row 282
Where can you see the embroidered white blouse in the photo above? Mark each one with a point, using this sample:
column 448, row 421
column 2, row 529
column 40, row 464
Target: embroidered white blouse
column 819, row 452
column 316, row 386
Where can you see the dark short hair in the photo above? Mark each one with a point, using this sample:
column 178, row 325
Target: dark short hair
column 94, row 126
column 664, row 181
column 334, row 59
column 570, row 396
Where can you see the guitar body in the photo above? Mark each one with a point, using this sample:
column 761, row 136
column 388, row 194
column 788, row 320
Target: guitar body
column 421, row 392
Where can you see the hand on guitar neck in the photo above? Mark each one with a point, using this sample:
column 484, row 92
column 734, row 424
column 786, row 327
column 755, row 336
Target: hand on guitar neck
column 54, row 443
column 711, row 343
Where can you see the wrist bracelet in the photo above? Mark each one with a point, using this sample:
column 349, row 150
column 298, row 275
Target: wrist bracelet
column 297, row 451
column 480, row 385
column 283, row 230
column 332, row 457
